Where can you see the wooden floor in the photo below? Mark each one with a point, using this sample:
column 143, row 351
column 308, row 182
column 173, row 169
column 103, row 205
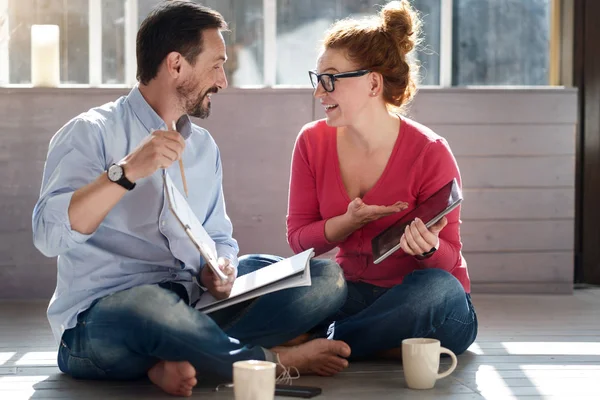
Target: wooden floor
column 529, row 347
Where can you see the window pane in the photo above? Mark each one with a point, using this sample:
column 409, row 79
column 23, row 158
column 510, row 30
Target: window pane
column 301, row 26
column 245, row 42
column 501, row 42
column 429, row 52
column 72, row 18
column 113, row 41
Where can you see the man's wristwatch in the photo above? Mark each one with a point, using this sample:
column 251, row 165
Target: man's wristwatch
column 116, row 174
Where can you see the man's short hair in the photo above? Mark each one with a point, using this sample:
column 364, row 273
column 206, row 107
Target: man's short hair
column 175, row 25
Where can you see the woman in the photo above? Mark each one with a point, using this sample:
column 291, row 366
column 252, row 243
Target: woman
column 363, row 168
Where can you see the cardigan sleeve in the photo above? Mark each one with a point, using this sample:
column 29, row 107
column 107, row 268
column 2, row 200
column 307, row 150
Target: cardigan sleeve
column 438, row 167
column 305, row 224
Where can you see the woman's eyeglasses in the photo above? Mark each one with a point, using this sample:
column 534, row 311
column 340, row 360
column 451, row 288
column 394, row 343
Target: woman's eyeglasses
column 327, row 80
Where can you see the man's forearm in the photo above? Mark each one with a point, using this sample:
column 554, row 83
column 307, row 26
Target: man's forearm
column 92, row 203
column 337, row 229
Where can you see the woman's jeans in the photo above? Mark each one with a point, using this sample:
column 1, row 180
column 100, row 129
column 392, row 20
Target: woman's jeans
column 429, row 303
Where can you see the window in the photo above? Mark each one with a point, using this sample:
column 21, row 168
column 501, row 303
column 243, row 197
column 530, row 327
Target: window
column 501, row 42
column 72, row 18
column 301, row 26
column 113, row 41
column 244, row 41
column 466, row 42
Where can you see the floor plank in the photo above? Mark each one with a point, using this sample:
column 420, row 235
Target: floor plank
column 529, row 347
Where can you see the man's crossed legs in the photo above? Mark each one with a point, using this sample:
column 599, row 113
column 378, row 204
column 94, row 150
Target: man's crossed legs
column 149, row 330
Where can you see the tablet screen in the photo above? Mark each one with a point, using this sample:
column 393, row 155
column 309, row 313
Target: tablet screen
column 430, row 211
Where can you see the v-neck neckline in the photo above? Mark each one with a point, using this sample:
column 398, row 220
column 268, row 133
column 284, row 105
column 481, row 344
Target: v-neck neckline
column 382, row 177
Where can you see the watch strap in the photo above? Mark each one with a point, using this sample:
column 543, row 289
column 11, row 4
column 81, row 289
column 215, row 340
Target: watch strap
column 426, row 254
column 126, row 183
column 123, row 181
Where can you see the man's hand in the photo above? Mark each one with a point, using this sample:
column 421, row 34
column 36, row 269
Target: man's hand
column 159, row 150
column 219, row 289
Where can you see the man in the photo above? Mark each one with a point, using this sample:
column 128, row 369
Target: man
column 126, row 271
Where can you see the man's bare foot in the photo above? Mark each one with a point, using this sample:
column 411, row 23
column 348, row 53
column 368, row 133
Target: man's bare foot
column 391, row 354
column 176, row 378
column 305, row 337
column 320, row 356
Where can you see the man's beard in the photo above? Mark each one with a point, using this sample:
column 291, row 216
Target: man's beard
column 195, row 106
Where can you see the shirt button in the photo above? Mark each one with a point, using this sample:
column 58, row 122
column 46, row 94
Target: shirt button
column 173, row 276
column 163, row 222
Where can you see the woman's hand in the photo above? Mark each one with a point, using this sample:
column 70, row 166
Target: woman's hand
column 417, row 239
column 338, row 228
column 361, row 214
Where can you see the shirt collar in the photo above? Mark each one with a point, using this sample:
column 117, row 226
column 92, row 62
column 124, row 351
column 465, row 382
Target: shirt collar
column 150, row 119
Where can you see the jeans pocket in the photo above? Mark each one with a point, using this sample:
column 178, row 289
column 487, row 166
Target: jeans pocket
column 73, row 356
column 83, row 368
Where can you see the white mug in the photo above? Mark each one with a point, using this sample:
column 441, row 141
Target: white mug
column 254, row 380
column 421, row 362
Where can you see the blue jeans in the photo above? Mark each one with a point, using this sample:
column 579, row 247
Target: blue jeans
column 428, row 303
column 123, row 335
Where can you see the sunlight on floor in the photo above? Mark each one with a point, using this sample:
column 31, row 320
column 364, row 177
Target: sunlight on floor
column 547, row 381
column 38, row 358
column 5, row 356
column 19, row 387
column 475, row 349
column 553, row 348
column 491, row 384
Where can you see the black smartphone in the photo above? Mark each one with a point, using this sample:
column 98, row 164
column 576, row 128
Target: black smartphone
column 305, row 392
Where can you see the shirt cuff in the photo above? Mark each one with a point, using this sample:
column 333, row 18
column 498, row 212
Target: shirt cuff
column 57, row 212
column 229, row 253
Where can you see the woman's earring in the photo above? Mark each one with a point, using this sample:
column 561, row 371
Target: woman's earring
column 372, row 93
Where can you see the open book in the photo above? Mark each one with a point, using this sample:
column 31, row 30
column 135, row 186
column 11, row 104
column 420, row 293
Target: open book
column 287, row 273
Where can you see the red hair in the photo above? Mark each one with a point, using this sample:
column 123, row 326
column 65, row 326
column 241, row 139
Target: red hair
column 381, row 44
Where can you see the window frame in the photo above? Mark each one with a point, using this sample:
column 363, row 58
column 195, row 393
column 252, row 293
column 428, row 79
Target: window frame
column 561, row 35
column 4, row 35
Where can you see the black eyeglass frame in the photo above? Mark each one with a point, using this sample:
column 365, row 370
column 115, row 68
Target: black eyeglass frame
column 334, row 77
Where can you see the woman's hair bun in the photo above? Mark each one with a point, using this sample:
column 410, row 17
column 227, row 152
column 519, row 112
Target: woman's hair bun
column 400, row 21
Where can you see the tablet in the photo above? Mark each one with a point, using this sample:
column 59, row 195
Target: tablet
column 430, row 211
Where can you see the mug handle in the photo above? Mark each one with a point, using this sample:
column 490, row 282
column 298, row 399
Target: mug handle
column 444, row 374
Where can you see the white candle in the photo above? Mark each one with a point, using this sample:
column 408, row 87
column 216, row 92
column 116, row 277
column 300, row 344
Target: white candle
column 45, row 55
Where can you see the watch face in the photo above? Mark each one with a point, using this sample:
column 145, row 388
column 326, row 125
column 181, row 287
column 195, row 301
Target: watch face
column 115, row 173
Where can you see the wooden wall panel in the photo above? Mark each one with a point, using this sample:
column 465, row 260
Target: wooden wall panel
column 514, row 147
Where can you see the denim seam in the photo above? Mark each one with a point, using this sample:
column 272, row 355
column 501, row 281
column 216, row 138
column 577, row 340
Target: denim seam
column 459, row 321
column 92, row 355
column 435, row 328
column 472, row 314
column 90, row 360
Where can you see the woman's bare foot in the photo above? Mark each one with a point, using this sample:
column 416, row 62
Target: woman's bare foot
column 320, row 356
column 176, row 378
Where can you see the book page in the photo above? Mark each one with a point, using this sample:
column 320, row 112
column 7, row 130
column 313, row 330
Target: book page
column 290, row 272
column 190, row 223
